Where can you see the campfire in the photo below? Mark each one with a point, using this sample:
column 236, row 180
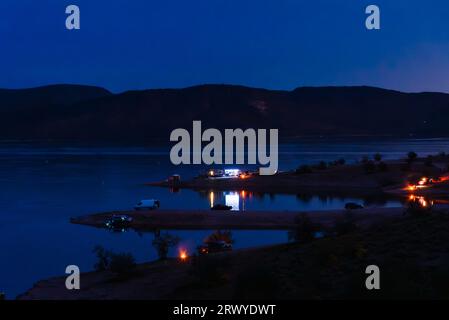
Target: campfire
column 183, row 255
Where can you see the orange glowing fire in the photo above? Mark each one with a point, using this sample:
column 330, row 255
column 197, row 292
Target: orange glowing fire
column 422, row 183
column 183, row 255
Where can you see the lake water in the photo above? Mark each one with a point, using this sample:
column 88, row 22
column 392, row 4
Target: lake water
column 42, row 186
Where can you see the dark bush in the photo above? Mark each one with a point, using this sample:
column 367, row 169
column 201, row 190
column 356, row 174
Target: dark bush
column 304, row 229
column 119, row 263
column 304, row 169
column 220, row 235
column 103, row 257
column 163, row 242
column 378, row 157
column 322, row 165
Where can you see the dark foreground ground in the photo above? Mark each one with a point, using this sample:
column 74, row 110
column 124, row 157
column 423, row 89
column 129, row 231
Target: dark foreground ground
column 412, row 252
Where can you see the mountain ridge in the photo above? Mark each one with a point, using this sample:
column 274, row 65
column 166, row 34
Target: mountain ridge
column 94, row 113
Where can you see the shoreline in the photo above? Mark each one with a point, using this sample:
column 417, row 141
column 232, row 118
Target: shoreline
column 246, row 220
column 389, row 178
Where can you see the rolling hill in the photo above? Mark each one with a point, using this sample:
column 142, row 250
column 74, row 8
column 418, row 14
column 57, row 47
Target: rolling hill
column 92, row 113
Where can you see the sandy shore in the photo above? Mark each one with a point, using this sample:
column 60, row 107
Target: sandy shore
column 197, row 219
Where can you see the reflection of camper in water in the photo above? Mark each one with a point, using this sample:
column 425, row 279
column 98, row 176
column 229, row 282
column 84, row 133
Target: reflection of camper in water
column 228, row 200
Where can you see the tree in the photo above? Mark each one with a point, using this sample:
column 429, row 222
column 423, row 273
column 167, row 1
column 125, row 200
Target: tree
column 322, row 165
column 219, row 235
column 119, row 263
column 412, row 156
column 103, row 257
column 304, row 230
column 378, row 157
column 163, row 242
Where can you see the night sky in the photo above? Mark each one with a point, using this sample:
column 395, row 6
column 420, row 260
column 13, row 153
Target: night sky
column 276, row 44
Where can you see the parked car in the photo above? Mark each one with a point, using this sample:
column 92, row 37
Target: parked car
column 119, row 222
column 214, row 247
column 221, row 207
column 353, row 206
column 150, row 204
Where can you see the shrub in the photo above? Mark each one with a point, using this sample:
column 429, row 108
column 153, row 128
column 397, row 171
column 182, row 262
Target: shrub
column 103, row 257
column 322, row 165
column 378, row 157
column 411, row 156
column 304, row 169
column 119, row 263
column 304, row 229
column 163, row 242
column 341, row 161
column 219, row 235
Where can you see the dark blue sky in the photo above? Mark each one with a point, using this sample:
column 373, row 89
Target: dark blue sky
column 280, row 44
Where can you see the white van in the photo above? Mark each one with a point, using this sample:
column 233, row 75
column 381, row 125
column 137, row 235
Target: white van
column 148, row 205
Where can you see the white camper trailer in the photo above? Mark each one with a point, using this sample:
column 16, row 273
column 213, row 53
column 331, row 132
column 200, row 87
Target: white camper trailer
column 150, row 204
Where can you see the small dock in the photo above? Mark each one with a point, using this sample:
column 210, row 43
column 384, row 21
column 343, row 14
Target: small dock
column 247, row 220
